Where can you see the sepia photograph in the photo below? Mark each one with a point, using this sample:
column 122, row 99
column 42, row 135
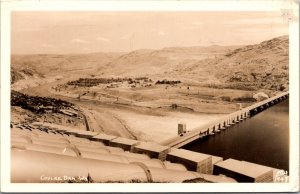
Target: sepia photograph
column 151, row 96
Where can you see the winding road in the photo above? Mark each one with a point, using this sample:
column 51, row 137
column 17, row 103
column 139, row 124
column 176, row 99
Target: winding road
column 98, row 116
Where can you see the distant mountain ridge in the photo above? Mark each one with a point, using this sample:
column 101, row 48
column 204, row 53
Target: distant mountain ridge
column 258, row 66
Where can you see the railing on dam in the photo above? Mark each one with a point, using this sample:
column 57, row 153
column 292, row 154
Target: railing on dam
column 224, row 122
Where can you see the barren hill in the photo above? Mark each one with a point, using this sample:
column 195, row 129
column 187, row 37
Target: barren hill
column 150, row 62
column 32, row 70
column 25, row 72
column 259, row 66
column 57, row 64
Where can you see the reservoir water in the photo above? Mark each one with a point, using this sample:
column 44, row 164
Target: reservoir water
column 261, row 139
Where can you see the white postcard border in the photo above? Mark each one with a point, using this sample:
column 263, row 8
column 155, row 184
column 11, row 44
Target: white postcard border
column 71, row 5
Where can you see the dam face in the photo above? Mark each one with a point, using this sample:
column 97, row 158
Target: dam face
column 262, row 139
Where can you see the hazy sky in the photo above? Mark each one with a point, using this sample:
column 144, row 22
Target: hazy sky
column 84, row 32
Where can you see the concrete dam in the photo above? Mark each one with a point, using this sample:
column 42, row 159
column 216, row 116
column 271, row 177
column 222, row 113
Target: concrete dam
column 225, row 122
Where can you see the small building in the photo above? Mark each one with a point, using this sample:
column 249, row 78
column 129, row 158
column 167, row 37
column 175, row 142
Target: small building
column 243, row 171
column 152, row 150
column 193, row 161
column 104, row 138
column 181, row 128
column 126, row 144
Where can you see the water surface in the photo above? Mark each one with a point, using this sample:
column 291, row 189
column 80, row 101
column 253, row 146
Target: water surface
column 262, row 139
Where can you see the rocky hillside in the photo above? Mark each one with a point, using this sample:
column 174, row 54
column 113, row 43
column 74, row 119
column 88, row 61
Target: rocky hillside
column 25, row 108
column 260, row 66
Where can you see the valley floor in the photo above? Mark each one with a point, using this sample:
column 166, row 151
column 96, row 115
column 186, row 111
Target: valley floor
column 145, row 113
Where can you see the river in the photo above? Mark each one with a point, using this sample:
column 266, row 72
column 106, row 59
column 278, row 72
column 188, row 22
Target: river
column 261, row 139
